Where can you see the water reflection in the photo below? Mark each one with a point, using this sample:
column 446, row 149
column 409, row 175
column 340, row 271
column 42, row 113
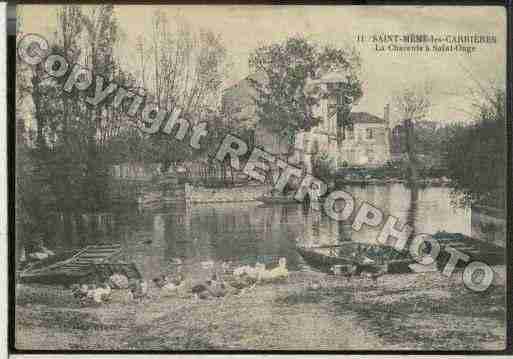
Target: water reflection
column 248, row 232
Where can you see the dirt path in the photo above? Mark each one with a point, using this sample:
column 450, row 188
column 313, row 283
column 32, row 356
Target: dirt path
column 402, row 312
column 262, row 319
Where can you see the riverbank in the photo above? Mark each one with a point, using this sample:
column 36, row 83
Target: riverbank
column 310, row 311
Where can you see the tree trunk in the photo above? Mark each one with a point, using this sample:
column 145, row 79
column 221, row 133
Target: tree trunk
column 410, row 151
column 36, row 98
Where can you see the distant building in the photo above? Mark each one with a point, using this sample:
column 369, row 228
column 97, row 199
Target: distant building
column 238, row 101
column 366, row 144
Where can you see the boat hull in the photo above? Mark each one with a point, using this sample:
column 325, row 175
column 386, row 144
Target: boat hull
column 324, row 262
column 321, row 261
column 93, row 263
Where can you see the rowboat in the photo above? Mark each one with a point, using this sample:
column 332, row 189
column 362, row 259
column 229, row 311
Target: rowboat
column 323, row 258
column 320, row 261
column 96, row 262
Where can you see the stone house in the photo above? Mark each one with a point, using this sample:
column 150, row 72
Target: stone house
column 238, row 101
column 366, row 144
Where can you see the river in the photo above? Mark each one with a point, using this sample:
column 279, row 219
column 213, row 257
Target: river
column 247, row 232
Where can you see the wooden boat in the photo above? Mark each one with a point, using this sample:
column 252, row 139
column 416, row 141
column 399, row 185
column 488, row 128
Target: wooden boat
column 350, row 253
column 97, row 262
column 321, row 261
column 476, row 249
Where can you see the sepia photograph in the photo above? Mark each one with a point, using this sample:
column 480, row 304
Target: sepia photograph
column 259, row 178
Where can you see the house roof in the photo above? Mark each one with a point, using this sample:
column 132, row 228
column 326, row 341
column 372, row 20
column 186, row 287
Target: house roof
column 240, row 96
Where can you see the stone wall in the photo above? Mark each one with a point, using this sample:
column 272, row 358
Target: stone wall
column 196, row 194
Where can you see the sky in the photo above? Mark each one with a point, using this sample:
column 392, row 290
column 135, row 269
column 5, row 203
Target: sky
column 384, row 73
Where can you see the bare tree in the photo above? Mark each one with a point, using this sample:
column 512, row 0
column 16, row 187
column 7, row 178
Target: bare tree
column 180, row 68
column 412, row 104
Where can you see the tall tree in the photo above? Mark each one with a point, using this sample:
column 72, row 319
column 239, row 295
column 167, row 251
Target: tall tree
column 285, row 98
column 475, row 156
column 412, row 104
column 180, row 68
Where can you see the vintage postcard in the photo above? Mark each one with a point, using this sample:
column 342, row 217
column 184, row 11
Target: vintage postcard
column 260, row 177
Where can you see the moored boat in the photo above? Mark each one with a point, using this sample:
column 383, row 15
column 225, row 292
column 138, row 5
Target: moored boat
column 323, row 258
column 320, row 261
column 95, row 262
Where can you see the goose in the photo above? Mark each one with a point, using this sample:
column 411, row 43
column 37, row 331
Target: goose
column 118, row 281
column 200, row 291
column 216, row 287
column 281, row 272
column 252, row 272
column 138, row 289
column 212, row 287
column 160, row 281
column 42, row 253
column 241, row 282
column 23, row 256
column 101, row 294
column 169, row 286
column 207, row 264
column 225, row 267
column 90, row 294
column 242, row 270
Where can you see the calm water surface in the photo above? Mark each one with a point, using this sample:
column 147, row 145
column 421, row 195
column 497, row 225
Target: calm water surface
column 247, row 232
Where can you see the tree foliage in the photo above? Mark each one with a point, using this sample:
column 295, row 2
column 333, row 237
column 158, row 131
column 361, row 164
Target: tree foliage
column 412, row 104
column 286, row 99
column 476, row 154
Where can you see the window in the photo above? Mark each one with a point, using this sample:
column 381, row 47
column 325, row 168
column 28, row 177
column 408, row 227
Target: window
column 368, row 133
column 350, row 133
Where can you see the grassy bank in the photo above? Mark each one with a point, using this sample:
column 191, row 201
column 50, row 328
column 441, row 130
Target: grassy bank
column 310, row 311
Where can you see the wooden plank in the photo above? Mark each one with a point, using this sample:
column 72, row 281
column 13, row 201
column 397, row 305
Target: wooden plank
column 85, row 265
column 103, row 249
column 96, row 256
column 58, row 264
column 83, row 258
column 100, row 253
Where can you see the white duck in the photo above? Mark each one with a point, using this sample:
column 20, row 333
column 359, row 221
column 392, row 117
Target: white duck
column 170, row 287
column 242, row 270
column 42, row 253
column 101, row 294
column 281, row 272
column 91, row 294
column 276, row 274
